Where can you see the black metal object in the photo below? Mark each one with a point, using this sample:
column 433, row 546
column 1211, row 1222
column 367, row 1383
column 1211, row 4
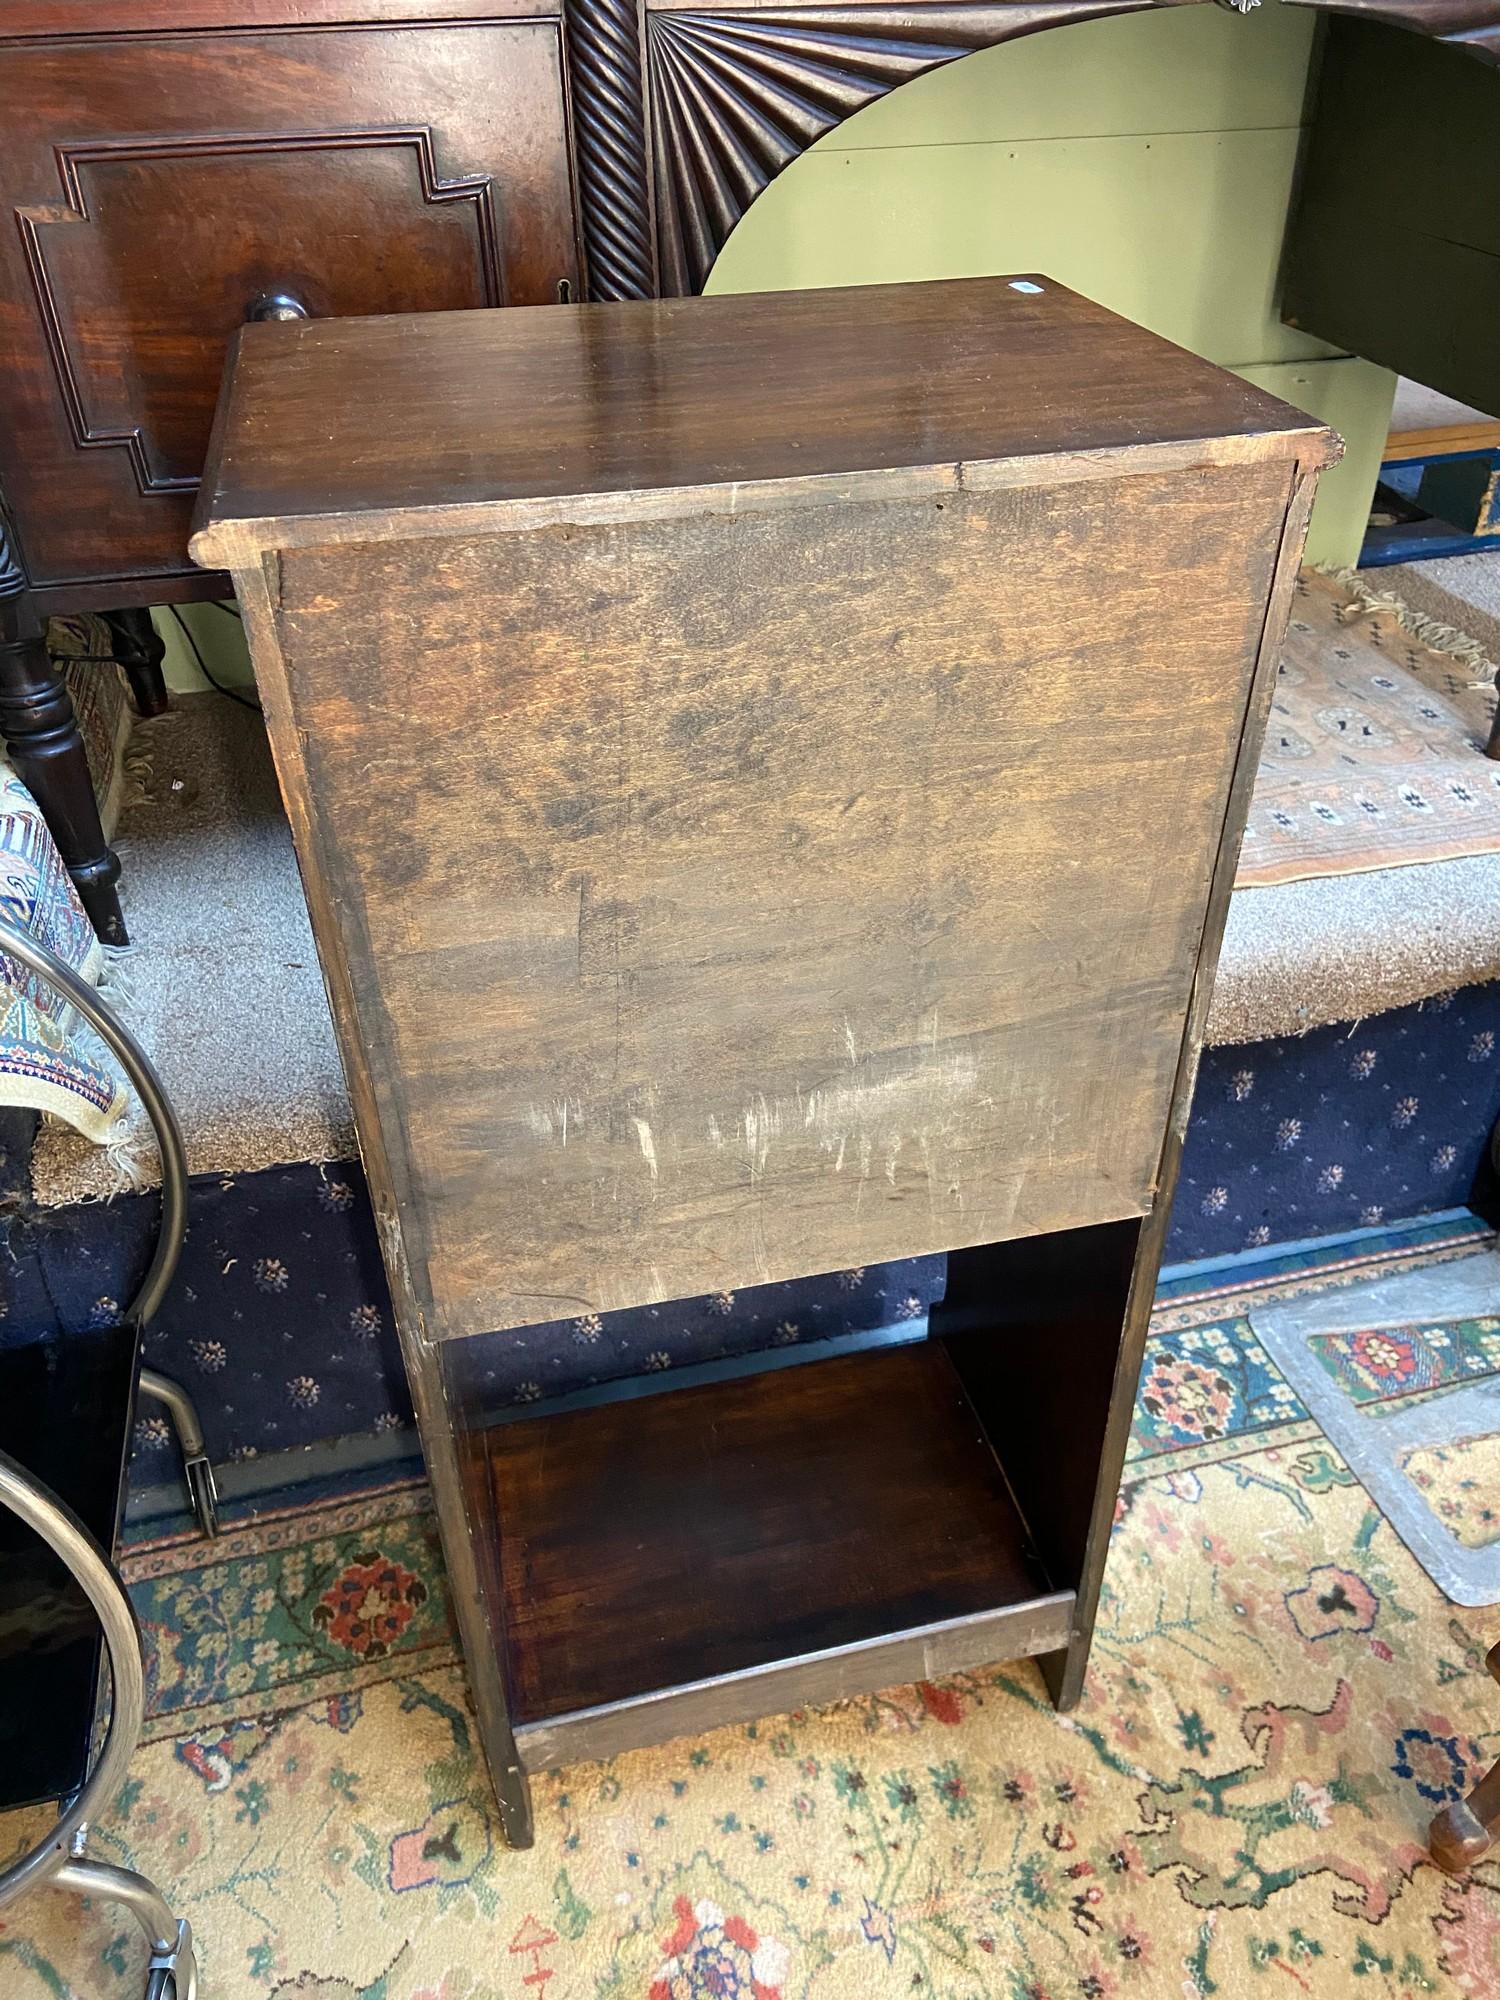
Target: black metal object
column 59, row 1857
column 197, row 1468
column 66, row 1407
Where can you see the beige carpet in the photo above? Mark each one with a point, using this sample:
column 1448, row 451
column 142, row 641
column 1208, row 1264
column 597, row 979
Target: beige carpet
column 1309, row 953
column 1460, row 590
column 223, row 985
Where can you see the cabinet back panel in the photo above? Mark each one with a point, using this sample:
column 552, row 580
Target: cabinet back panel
column 737, row 896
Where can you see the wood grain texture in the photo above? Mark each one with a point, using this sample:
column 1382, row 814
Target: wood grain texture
column 1441, row 440
column 1032, row 1328
column 718, row 878
column 460, row 1489
column 462, row 417
column 1065, row 1672
column 156, row 185
column 951, row 1646
column 610, row 142
column 1048, row 1333
column 823, row 884
column 38, row 20
column 805, row 901
column 649, row 1544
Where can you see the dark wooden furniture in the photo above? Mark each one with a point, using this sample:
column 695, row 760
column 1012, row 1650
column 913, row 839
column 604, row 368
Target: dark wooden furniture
column 172, row 167
column 170, row 171
column 1464, row 1833
column 837, row 714
column 1393, row 247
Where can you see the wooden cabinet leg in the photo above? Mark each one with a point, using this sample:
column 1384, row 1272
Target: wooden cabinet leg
column 1463, row 1833
column 41, row 735
column 1046, row 1333
column 140, row 650
column 459, row 1475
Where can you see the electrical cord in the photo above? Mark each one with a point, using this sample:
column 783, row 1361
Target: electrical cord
column 231, row 694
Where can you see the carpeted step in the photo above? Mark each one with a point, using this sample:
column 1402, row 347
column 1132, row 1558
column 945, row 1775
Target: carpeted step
column 228, row 999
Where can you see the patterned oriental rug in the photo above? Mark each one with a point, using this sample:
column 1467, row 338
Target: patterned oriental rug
column 1279, row 1701
column 1374, row 757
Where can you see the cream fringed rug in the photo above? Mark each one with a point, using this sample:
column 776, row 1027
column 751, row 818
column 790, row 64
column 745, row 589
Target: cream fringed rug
column 1279, row 1701
column 1373, row 758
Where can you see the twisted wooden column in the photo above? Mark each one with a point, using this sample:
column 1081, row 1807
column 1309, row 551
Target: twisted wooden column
column 684, row 110
column 609, row 104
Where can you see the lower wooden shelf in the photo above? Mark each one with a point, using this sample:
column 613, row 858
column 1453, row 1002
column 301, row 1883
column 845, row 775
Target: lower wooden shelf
column 792, row 1536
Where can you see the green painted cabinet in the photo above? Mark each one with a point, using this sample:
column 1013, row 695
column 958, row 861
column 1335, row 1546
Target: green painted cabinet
column 1394, row 245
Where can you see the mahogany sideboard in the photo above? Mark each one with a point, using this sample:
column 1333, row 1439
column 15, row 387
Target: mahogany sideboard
column 838, row 712
column 174, row 167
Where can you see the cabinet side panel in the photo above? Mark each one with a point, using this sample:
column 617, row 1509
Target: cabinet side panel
column 470, row 1541
column 1058, row 1407
column 739, row 896
column 1402, row 268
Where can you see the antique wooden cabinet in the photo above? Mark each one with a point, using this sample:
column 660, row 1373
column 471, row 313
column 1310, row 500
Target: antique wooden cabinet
column 172, row 170
column 767, row 774
column 173, row 167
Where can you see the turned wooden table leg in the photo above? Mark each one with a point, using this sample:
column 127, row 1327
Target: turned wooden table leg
column 1463, row 1833
column 140, row 651
column 41, row 736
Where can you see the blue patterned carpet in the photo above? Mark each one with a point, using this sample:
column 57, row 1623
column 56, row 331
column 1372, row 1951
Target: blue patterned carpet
column 280, row 1321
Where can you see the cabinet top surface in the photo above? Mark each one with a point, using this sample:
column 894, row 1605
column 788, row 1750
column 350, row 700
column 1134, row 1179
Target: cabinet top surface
column 457, row 422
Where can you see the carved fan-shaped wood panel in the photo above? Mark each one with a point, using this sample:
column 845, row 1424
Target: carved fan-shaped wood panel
column 1472, row 24
column 735, row 97
column 685, row 112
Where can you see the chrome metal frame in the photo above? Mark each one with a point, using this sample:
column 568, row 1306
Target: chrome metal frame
column 132, row 1058
column 137, row 1065
column 197, row 1467
column 60, row 1858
